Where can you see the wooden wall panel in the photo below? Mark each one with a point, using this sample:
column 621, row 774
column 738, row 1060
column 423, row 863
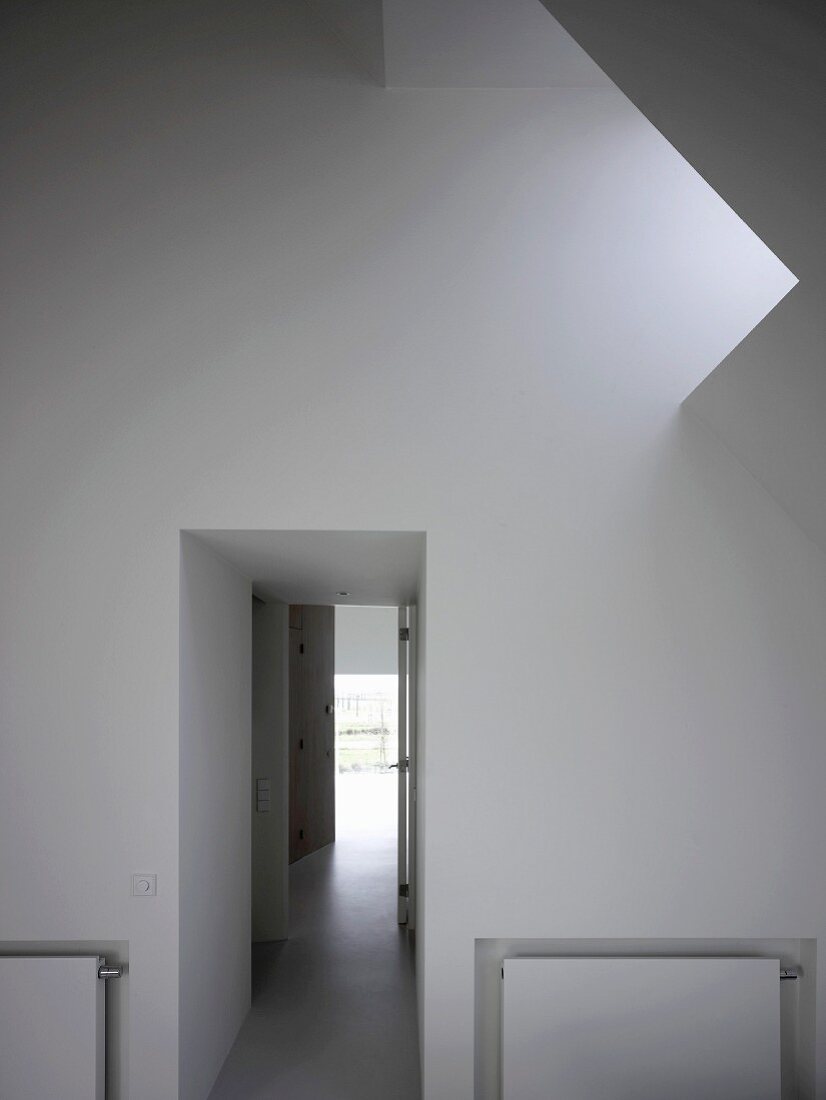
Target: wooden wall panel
column 312, row 729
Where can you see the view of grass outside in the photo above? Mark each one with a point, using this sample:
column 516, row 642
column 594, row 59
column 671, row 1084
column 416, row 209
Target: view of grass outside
column 366, row 724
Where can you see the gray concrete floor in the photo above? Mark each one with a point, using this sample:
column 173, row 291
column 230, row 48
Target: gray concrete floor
column 334, row 1013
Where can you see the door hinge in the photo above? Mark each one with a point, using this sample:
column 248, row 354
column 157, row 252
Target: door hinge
column 404, row 890
column 404, row 633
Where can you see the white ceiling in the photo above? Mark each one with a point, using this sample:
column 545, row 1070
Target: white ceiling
column 381, row 568
column 459, row 43
column 481, row 43
column 738, row 88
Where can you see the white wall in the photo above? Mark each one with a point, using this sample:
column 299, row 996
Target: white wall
column 270, row 759
column 250, row 290
column 367, row 641
column 215, row 767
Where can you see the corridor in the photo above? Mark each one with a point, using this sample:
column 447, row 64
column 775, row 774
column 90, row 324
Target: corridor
column 334, row 1013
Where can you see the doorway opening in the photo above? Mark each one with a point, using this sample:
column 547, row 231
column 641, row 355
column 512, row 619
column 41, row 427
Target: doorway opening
column 366, row 720
column 298, row 795
column 352, row 773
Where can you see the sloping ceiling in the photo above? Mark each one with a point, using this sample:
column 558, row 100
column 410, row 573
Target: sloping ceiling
column 481, row 43
column 458, row 43
column 738, row 88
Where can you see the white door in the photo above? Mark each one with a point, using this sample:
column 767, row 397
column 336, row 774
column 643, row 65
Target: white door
column 407, row 767
column 403, row 765
column 412, row 765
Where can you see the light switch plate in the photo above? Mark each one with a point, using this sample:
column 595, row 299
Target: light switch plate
column 144, row 886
